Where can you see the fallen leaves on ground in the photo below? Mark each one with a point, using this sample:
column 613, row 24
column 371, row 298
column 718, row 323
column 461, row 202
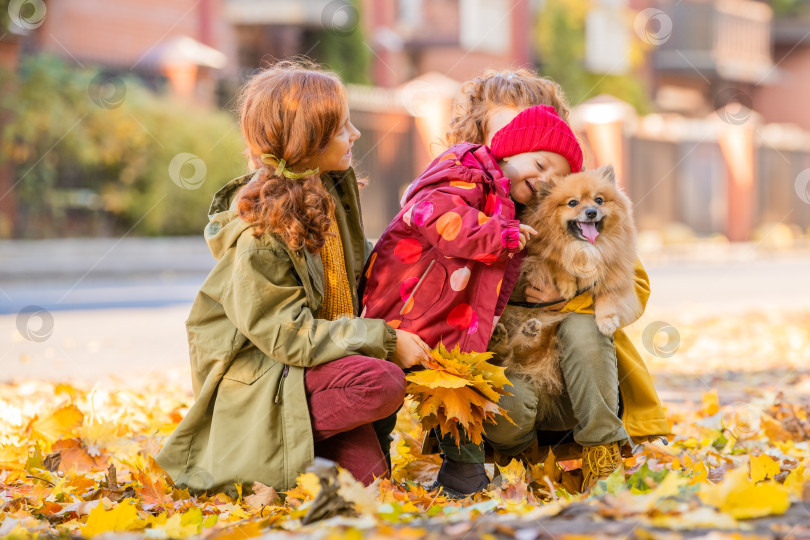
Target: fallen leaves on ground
column 76, row 461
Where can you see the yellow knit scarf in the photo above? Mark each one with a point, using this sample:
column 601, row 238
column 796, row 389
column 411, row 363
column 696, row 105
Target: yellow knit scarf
column 337, row 296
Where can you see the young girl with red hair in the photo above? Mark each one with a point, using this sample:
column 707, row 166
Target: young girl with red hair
column 282, row 370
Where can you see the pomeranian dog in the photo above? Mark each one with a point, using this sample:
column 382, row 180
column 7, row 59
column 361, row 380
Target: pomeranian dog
column 586, row 240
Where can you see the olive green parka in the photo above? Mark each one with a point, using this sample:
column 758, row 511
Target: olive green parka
column 251, row 334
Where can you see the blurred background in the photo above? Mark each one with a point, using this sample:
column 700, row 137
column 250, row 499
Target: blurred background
column 117, row 125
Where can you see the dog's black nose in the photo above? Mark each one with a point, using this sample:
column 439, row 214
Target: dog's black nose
column 590, row 214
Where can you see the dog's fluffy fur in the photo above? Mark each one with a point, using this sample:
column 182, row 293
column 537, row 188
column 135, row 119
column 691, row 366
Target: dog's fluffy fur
column 586, row 239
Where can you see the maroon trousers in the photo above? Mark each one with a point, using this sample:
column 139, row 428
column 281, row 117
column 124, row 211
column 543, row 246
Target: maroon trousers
column 345, row 396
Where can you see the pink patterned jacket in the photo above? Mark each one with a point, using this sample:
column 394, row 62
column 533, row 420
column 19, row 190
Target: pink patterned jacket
column 446, row 265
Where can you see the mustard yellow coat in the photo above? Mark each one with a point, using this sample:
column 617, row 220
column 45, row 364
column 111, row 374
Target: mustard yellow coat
column 643, row 416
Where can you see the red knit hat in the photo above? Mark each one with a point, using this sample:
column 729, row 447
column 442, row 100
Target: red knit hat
column 537, row 128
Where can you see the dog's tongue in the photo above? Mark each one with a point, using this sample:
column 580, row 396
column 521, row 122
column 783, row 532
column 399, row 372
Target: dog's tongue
column 588, row 230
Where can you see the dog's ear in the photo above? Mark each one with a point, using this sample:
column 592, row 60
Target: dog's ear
column 607, row 173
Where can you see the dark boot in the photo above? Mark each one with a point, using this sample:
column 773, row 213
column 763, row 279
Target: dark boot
column 461, row 480
column 383, row 428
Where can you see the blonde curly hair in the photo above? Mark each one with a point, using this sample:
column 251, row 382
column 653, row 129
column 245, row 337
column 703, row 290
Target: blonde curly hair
column 511, row 88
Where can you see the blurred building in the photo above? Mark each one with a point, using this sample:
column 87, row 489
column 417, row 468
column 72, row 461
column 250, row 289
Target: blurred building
column 717, row 52
column 789, row 83
column 459, row 38
column 723, row 77
column 710, row 47
column 727, row 146
column 267, row 30
column 186, row 43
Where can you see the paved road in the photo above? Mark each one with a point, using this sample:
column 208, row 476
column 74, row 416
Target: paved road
column 70, row 274
column 110, row 325
column 732, row 286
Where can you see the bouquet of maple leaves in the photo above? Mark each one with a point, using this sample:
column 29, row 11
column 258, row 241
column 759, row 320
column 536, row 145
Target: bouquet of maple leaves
column 458, row 392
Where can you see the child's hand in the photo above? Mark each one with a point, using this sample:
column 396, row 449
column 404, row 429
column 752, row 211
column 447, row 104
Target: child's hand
column 525, row 232
column 542, row 293
column 410, row 351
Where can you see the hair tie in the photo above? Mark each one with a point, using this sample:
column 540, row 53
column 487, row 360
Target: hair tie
column 282, row 169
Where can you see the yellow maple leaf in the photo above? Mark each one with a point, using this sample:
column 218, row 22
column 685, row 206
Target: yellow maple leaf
column 795, row 481
column 762, row 467
column 486, row 388
column 550, row 467
column 428, row 406
column 239, row 532
column 711, row 403
column 307, row 487
column 180, row 525
column 232, row 512
column 432, row 378
column 699, row 473
column 741, row 498
column 69, row 389
column 758, row 501
column 457, row 405
column 496, row 375
column 514, row 472
column 61, row 423
column 669, row 487
column 13, row 457
column 451, row 365
column 121, row 517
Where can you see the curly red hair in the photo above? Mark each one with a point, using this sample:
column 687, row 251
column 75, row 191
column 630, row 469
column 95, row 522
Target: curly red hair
column 291, row 110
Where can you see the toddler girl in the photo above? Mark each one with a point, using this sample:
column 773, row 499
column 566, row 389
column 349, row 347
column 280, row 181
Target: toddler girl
column 446, row 266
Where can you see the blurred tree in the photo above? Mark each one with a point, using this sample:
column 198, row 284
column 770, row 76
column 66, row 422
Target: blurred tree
column 92, row 152
column 560, row 43
column 789, row 8
column 5, row 20
column 341, row 45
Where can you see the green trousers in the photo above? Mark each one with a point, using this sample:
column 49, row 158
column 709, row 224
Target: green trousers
column 589, row 406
